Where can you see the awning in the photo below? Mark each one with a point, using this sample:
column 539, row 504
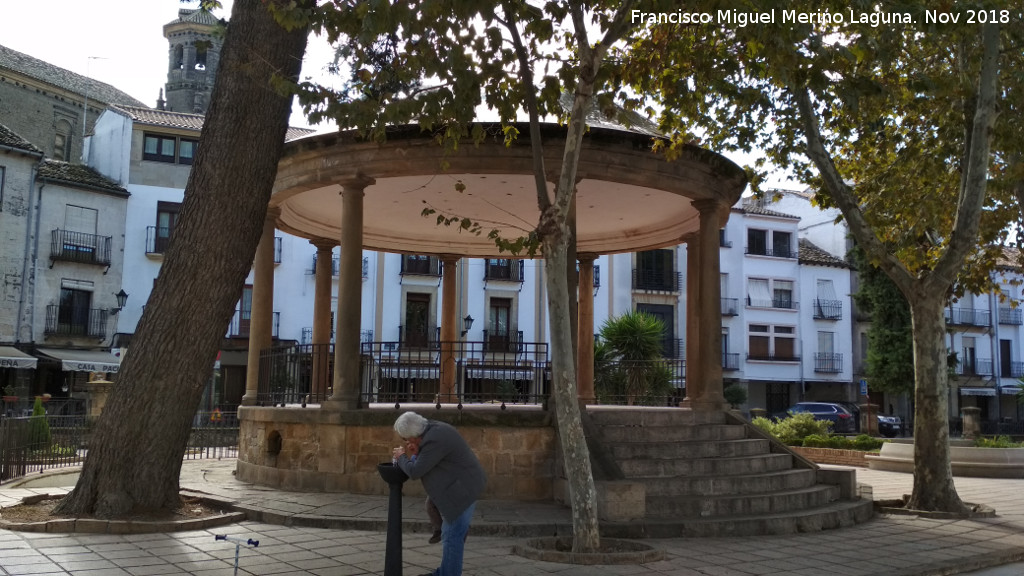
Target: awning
column 1010, row 390
column 977, row 391
column 83, row 360
column 501, row 373
column 11, row 357
column 407, row 371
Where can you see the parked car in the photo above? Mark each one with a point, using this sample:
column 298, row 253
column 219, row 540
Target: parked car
column 840, row 416
column 889, row 426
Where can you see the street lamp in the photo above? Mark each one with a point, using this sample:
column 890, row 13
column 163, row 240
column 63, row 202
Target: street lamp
column 122, row 298
column 467, row 323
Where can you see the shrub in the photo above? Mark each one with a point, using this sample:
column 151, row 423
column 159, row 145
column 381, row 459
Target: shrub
column 735, row 395
column 862, row 442
column 38, row 426
column 793, row 429
column 997, row 442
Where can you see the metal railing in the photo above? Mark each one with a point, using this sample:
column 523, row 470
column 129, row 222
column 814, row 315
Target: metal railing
column 657, row 280
column 828, row 362
column 430, row 266
column 783, row 303
column 241, row 322
column 1014, row 370
column 393, row 373
column 504, row 269
column 88, row 322
column 776, row 252
column 419, row 336
column 640, row 383
column 730, row 361
column 158, row 239
column 774, row 357
column 1011, row 316
column 79, row 247
column 730, row 306
column 36, row 443
column 828, row 309
column 968, row 317
column 975, row 367
column 503, row 342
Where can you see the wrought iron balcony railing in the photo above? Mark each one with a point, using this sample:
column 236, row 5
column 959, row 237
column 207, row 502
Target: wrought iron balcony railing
column 241, row 323
column 730, row 361
column 828, row 309
column 422, row 266
column 828, row 362
column 1011, row 316
column 783, row 303
column 505, row 342
column 79, row 247
column 86, row 322
column 968, row 317
column 656, row 280
column 776, row 252
column 730, row 306
column 504, row 269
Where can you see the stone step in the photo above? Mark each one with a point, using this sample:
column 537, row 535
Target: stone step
column 688, row 450
column 625, row 416
column 673, row 467
column 672, row 433
column 841, row 514
column 712, row 506
column 748, row 485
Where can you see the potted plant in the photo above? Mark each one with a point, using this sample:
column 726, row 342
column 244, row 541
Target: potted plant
column 10, row 396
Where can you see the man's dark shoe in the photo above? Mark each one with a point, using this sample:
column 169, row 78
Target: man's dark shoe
column 435, row 538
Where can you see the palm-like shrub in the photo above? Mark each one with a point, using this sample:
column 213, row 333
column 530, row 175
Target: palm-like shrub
column 626, row 355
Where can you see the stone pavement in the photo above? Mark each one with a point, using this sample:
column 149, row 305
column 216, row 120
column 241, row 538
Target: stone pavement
column 341, row 534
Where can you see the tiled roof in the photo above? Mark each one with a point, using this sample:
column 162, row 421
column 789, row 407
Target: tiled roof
column 77, row 175
column 755, row 209
column 195, row 16
column 186, row 120
column 61, row 78
column 815, row 256
column 12, row 140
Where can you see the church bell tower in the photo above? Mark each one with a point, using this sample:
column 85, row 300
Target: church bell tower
column 194, row 55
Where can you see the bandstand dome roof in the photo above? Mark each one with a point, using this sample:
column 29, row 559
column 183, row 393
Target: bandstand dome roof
column 629, row 197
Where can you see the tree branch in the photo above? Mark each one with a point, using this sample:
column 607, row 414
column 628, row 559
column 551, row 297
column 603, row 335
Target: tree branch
column 843, row 196
column 974, row 180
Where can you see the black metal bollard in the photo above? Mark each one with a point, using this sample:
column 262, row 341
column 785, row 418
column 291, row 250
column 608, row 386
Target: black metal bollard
column 395, row 477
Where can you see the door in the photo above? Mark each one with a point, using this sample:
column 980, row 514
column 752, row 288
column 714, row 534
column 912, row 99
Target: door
column 667, row 314
column 417, row 319
column 498, row 325
column 1005, row 359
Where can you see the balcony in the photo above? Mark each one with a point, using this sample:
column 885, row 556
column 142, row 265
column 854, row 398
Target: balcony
column 730, row 306
column 1013, row 370
column 242, row 320
column 79, row 247
column 774, row 252
column 505, row 342
column 420, row 265
column 158, row 239
column 419, row 336
column 773, row 357
column 85, row 322
column 828, row 309
column 781, row 303
column 975, row 367
column 656, row 280
column 1011, row 316
column 730, row 361
column 968, row 317
column 504, row 270
column 828, row 362
column 335, row 268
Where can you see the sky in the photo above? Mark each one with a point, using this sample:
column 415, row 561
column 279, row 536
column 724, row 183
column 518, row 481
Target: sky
column 123, row 45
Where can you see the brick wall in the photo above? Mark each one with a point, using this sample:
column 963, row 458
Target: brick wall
column 833, row 456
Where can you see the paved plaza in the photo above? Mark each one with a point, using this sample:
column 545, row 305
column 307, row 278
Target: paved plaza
column 350, row 539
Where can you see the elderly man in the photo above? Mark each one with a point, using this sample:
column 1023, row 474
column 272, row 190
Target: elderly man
column 435, row 453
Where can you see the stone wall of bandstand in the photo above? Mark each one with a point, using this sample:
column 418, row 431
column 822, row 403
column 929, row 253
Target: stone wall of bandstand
column 316, row 450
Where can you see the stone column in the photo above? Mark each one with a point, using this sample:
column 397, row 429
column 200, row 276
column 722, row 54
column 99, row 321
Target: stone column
column 971, row 422
column 345, row 392
column 585, row 329
column 261, row 319
column 322, row 318
column 694, row 384
column 449, row 326
column 710, row 304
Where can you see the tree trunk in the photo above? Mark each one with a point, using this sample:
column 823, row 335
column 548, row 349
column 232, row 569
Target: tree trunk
column 575, row 454
column 933, row 473
column 136, row 451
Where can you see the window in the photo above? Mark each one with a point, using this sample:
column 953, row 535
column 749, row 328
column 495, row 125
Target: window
column 768, row 342
column 60, row 146
column 782, row 294
column 499, row 324
column 169, row 149
column 782, row 244
column 417, row 320
column 827, row 305
column 166, row 220
column 655, row 270
column 765, row 293
column 72, row 316
column 758, row 294
column 2, row 173
column 757, row 242
column 503, row 269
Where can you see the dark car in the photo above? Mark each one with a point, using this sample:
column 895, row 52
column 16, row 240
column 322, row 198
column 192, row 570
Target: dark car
column 889, row 426
column 841, row 417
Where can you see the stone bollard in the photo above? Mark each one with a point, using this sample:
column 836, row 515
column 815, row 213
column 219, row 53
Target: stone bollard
column 869, row 419
column 395, row 477
column 972, row 422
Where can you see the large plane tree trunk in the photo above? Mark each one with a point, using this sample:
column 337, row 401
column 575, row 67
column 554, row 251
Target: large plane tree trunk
column 136, row 450
column 933, row 472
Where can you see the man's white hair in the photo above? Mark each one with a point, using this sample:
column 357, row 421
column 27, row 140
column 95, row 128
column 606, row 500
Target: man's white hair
column 410, row 425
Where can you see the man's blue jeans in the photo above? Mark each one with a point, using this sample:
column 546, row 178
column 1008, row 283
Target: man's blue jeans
column 453, row 543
